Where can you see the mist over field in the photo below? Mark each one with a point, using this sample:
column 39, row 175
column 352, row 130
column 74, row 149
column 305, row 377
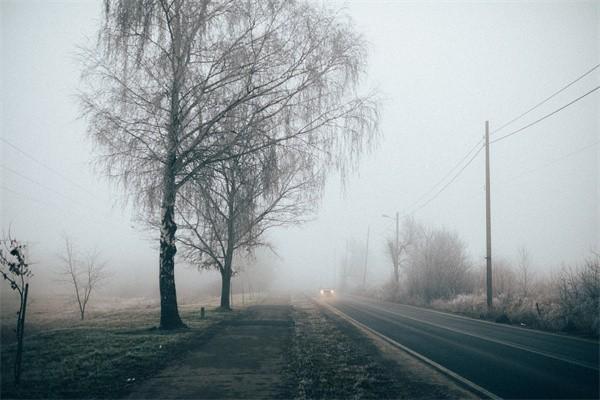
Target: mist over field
column 441, row 70
column 299, row 199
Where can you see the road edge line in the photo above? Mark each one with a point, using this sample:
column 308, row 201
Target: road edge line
column 465, row 383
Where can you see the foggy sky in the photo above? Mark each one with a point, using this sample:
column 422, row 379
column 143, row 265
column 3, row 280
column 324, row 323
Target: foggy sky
column 442, row 70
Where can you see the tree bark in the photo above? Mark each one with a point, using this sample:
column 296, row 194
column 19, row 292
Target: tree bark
column 227, row 270
column 20, row 335
column 225, row 290
column 169, row 313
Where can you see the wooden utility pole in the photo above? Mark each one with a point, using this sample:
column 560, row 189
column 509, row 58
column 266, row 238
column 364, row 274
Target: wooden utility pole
column 488, row 219
column 397, row 248
column 345, row 268
column 366, row 260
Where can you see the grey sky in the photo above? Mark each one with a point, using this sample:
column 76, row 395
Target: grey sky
column 442, row 68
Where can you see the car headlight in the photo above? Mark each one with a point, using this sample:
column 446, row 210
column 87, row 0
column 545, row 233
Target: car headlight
column 322, row 291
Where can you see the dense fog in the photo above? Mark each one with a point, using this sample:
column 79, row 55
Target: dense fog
column 440, row 69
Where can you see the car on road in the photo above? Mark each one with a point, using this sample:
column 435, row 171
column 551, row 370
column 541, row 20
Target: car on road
column 327, row 292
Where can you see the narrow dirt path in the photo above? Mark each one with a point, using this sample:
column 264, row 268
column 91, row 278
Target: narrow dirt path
column 285, row 349
column 244, row 360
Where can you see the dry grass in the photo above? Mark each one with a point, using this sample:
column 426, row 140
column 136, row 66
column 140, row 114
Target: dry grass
column 101, row 356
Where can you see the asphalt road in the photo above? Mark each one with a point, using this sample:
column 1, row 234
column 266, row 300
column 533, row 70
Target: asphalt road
column 508, row 361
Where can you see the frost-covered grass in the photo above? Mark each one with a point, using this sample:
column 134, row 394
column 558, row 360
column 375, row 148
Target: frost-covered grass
column 536, row 311
column 100, row 357
column 520, row 311
column 568, row 301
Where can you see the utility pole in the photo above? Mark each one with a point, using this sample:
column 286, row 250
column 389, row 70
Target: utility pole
column 488, row 219
column 345, row 268
column 335, row 261
column 397, row 250
column 366, row 259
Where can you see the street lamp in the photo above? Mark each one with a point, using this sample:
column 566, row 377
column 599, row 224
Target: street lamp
column 397, row 244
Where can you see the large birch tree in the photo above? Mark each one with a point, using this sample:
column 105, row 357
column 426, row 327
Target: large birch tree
column 167, row 79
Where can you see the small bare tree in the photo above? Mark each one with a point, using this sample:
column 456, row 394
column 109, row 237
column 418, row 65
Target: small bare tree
column 524, row 265
column 438, row 267
column 505, row 279
column 86, row 274
column 579, row 295
column 16, row 270
column 410, row 233
column 246, row 196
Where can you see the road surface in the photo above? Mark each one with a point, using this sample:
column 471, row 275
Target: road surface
column 507, row 361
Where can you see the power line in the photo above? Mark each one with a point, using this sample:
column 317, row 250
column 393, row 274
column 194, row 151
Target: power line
column 91, row 217
column 23, row 152
column 448, row 183
column 453, row 179
column 547, row 98
column 84, row 208
column 40, row 184
column 26, row 196
column 552, row 162
column 431, row 189
column 545, row 116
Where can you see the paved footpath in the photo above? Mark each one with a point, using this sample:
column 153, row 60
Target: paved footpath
column 244, row 360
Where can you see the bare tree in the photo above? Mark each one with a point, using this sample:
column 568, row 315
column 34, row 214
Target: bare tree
column 408, row 236
column 168, row 79
column 352, row 269
column 579, row 295
column 86, row 274
column 247, row 195
column 506, row 280
column 260, row 270
column 438, row 267
column 15, row 269
column 524, row 265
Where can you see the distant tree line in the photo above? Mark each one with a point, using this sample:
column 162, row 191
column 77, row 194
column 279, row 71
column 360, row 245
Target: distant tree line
column 436, row 271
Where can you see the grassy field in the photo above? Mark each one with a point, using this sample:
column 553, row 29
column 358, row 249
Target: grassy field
column 100, row 357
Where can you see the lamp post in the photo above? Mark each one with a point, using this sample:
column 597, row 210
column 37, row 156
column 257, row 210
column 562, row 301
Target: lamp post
column 396, row 245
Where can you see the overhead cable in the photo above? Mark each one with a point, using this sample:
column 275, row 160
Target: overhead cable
column 547, row 98
column 545, row 116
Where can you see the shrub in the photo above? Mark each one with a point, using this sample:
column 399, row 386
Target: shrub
column 578, row 296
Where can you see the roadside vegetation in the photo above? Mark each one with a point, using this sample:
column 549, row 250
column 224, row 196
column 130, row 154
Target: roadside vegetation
column 566, row 302
column 435, row 271
column 102, row 356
